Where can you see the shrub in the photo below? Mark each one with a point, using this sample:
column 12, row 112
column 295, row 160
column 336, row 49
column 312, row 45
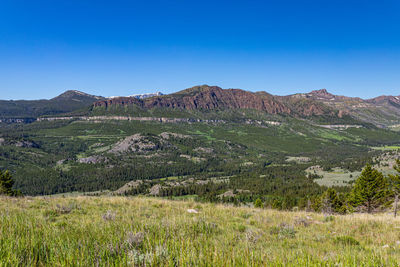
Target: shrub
column 329, row 218
column 258, row 203
column 347, row 240
column 302, row 221
column 134, row 240
column 283, row 231
column 62, row 209
column 109, row 216
column 241, row 228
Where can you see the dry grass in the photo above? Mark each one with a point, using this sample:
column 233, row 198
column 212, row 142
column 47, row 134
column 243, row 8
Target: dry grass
column 156, row 232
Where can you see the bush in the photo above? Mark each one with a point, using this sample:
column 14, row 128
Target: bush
column 329, row 218
column 347, row 240
column 283, row 231
column 258, row 203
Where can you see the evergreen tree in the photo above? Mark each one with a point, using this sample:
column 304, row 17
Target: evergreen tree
column 331, row 202
column 6, row 183
column 370, row 190
column 258, row 203
column 394, row 182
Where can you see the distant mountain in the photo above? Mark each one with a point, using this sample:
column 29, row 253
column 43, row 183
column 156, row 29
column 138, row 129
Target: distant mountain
column 69, row 101
column 143, row 96
column 140, row 96
column 382, row 111
column 78, row 96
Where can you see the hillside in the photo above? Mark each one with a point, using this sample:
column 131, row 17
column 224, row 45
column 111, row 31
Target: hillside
column 318, row 105
column 114, row 231
column 67, row 102
column 383, row 111
column 91, row 155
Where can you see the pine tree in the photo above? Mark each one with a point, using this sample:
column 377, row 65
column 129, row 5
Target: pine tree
column 6, row 183
column 258, row 203
column 394, row 182
column 370, row 190
column 331, row 202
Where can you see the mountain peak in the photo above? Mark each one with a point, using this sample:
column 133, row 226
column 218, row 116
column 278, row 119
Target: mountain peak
column 321, row 92
column 73, row 94
column 197, row 89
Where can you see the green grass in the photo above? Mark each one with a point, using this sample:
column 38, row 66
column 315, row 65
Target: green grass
column 116, row 231
column 171, row 178
column 335, row 177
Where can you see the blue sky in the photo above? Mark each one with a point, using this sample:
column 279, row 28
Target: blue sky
column 126, row 47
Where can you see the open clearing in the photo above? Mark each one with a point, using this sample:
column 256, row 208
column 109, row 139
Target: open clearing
column 335, row 177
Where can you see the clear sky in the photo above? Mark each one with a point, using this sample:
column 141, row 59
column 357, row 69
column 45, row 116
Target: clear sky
column 127, row 47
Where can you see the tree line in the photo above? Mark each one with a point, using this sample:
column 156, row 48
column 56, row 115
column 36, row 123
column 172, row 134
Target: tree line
column 371, row 192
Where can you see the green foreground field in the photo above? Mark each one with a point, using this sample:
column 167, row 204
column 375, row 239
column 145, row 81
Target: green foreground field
column 119, row 231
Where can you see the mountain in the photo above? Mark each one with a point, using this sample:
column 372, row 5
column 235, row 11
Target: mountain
column 318, row 105
column 77, row 96
column 215, row 98
column 140, row 96
column 69, row 101
column 383, row 111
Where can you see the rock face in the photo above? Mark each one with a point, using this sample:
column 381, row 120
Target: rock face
column 91, row 160
column 19, row 143
column 167, row 135
column 128, row 187
column 134, row 143
column 215, row 98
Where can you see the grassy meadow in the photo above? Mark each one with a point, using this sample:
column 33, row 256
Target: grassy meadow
column 136, row 231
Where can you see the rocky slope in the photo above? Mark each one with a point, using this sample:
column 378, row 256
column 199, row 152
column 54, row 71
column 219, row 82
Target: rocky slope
column 215, row 98
column 382, row 111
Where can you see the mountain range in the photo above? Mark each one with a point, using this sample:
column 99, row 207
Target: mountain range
column 382, row 111
column 82, row 142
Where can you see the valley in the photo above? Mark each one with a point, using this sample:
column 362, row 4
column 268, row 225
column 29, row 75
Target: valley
column 219, row 145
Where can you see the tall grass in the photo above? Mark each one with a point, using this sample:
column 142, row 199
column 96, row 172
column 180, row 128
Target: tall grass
column 117, row 231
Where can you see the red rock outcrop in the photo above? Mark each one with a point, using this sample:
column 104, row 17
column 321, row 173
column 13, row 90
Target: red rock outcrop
column 213, row 97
